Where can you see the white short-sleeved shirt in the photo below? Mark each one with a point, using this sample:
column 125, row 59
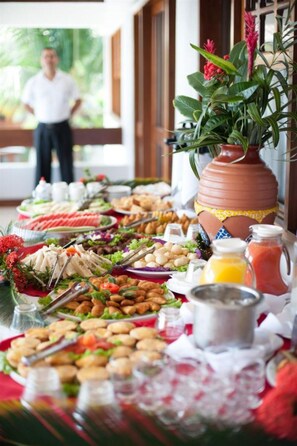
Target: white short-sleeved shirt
column 51, row 99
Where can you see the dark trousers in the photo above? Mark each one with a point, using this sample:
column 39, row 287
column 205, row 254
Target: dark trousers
column 53, row 136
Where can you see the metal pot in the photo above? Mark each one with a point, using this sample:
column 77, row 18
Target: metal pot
column 225, row 314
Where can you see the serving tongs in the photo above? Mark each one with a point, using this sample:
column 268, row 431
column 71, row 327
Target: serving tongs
column 133, row 257
column 49, row 284
column 55, row 347
column 140, row 221
column 85, row 203
column 74, row 291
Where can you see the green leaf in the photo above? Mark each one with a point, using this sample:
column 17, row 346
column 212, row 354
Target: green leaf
column 186, row 105
column 227, row 66
column 237, row 137
column 246, row 89
column 274, row 129
column 193, row 164
column 196, row 80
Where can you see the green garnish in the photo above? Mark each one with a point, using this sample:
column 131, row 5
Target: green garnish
column 139, row 242
column 71, row 389
column 115, row 257
column 44, row 301
column 5, row 367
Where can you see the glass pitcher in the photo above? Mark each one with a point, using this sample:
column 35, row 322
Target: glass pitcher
column 264, row 252
column 228, row 263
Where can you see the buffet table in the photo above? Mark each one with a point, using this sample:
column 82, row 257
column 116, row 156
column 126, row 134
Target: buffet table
column 147, row 423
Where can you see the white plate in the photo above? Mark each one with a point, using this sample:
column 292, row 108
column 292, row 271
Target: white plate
column 271, row 368
column 123, row 212
column 152, row 274
column 18, row 378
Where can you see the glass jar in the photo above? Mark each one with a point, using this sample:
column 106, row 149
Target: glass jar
column 264, row 252
column 228, row 263
column 169, row 324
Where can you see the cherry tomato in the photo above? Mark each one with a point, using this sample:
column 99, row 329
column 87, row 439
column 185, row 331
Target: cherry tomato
column 112, row 287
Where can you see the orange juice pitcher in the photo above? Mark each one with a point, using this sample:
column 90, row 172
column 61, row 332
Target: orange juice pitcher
column 264, row 253
column 228, row 263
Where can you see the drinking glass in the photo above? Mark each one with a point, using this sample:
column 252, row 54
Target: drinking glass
column 42, row 385
column 169, row 324
column 174, row 233
column 26, row 316
column 192, row 232
column 154, row 383
column 194, row 270
column 125, row 387
column 94, row 394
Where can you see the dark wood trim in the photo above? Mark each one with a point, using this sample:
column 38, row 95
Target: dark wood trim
column 215, row 21
column 13, row 203
column 24, row 137
column 116, row 72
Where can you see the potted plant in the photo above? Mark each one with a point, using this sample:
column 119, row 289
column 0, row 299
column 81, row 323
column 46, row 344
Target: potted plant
column 245, row 100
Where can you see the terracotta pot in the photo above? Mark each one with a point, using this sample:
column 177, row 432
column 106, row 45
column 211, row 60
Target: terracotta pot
column 236, row 194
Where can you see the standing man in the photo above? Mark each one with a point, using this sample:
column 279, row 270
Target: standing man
column 53, row 97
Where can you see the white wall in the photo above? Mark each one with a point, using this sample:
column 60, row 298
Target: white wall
column 187, row 32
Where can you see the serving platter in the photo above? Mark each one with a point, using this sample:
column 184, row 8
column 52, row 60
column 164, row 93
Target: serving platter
column 135, row 318
column 30, row 209
column 152, row 274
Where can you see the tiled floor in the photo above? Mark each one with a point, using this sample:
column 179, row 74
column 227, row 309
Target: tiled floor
column 7, row 214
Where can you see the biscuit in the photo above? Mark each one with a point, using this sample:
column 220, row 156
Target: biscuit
column 62, row 326
column 38, row 332
column 121, row 351
column 151, row 345
column 66, row 373
column 59, row 358
column 100, row 332
column 124, row 339
column 14, row 355
column 120, row 366
column 144, row 355
column 29, row 342
column 92, row 361
column 92, row 324
column 121, row 327
column 143, row 333
column 92, row 373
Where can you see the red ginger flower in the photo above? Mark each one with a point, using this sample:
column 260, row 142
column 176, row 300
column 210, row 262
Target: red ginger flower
column 251, row 38
column 210, row 69
column 11, row 259
column 8, row 242
column 278, row 414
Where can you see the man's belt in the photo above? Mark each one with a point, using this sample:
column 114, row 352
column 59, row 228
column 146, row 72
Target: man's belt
column 53, row 125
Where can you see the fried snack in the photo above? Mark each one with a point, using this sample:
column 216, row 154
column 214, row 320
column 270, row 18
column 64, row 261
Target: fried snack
column 28, row 342
column 66, row 373
column 92, row 361
column 141, row 203
column 158, row 226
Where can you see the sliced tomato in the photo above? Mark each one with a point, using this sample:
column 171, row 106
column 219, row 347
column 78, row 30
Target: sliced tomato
column 71, row 251
column 112, row 287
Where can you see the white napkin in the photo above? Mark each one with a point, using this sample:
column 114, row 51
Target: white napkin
column 281, row 323
column 187, row 312
column 272, row 304
column 264, row 346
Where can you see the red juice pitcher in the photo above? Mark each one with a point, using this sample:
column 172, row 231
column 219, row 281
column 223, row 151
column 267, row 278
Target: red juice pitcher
column 264, row 252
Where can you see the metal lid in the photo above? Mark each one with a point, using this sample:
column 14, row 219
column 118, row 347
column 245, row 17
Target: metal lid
column 225, row 295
